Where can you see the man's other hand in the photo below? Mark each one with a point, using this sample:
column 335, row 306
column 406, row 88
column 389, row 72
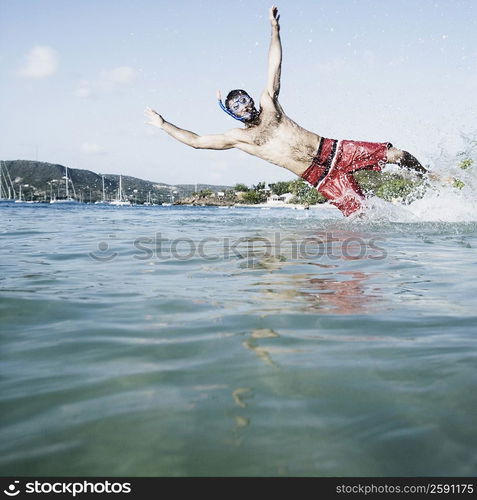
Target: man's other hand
column 154, row 118
column 274, row 17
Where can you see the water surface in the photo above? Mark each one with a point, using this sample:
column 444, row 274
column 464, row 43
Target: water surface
column 182, row 341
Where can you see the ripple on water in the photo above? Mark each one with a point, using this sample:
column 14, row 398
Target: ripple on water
column 260, row 363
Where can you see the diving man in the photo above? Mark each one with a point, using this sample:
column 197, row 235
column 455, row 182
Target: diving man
column 271, row 135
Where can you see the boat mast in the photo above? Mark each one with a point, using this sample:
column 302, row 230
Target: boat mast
column 66, row 180
column 11, row 184
column 1, row 182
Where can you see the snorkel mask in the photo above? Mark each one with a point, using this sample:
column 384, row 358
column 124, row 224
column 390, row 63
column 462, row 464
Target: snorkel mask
column 237, row 104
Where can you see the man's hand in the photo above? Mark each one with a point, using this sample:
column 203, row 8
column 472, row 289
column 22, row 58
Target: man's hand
column 274, row 17
column 154, row 118
column 433, row 176
column 454, row 182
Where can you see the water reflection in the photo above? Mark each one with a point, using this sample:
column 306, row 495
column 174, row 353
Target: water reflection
column 240, row 396
column 333, row 285
column 268, row 250
column 252, row 343
column 345, row 292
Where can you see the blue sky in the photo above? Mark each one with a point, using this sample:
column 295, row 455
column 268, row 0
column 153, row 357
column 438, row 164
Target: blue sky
column 77, row 75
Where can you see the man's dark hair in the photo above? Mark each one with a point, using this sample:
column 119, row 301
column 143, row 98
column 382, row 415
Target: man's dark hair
column 233, row 94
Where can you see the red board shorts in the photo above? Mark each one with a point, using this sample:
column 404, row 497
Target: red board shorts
column 332, row 168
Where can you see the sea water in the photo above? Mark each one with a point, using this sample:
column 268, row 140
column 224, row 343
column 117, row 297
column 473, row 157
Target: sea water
column 195, row 341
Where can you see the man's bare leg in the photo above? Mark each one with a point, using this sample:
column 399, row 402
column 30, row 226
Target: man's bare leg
column 406, row 160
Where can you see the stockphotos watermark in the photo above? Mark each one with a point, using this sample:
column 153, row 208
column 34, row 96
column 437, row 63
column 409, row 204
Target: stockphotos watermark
column 326, row 245
column 72, row 488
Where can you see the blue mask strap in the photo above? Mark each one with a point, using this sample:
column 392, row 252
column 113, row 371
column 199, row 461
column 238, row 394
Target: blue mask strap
column 221, row 104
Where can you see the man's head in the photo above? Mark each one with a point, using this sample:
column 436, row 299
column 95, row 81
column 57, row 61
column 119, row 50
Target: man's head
column 241, row 106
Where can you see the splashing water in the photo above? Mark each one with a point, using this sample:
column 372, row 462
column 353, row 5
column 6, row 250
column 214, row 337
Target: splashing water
column 442, row 200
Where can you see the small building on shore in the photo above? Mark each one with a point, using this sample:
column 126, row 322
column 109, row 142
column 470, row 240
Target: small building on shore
column 282, row 198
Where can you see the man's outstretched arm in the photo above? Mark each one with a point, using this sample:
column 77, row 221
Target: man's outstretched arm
column 274, row 56
column 219, row 141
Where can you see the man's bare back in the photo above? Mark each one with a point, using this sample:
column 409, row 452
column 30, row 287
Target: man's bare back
column 271, row 135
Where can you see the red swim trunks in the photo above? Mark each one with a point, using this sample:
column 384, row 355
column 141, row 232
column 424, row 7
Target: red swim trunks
column 332, row 168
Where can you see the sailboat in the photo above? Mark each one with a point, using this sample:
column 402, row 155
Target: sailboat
column 148, row 201
column 171, row 197
column 68, row 198
column 2, row 190
column 20, row 199
column 103, row 197
column 120, row 201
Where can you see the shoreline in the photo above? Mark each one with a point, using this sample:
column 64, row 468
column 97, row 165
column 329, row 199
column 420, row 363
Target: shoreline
column 265, row 205
column 295, row 206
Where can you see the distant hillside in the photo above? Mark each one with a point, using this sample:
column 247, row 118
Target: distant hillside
column 44, row 181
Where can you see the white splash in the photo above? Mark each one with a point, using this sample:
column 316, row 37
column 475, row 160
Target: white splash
column 441, row 201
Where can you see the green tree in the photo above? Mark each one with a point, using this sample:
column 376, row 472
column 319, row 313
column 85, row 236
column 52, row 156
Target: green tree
column 466, row 163
column 205, row 193
column 254, row 197
column 304, row 193
column 240, row 187
column 299, row 187
column 457, row 183
column 230, row 194
column 280, row 187
column 396, row 187
column 259, row 187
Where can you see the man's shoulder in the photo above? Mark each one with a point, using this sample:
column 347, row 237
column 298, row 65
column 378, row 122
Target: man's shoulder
column 236, row 134
column 270, row 105
column 267, row 101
